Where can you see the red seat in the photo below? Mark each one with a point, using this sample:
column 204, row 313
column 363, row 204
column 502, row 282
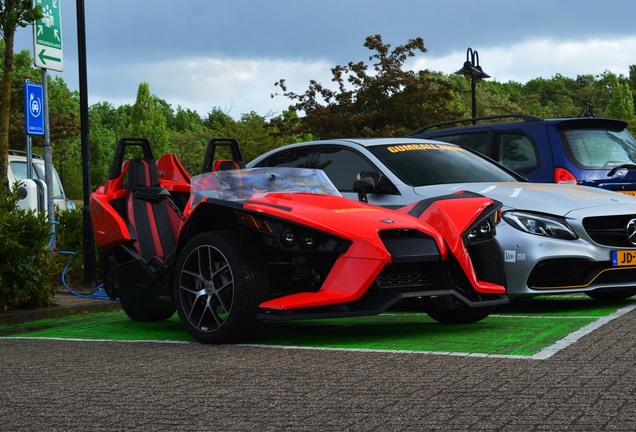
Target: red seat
column 154, row 223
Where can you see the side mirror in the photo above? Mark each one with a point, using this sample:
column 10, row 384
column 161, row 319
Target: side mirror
column 371, row 182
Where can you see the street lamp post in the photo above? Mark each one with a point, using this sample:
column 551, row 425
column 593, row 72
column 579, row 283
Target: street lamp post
column 472, row 70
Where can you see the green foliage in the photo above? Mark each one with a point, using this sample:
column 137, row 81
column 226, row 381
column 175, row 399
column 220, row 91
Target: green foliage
column 148, row 119
column 69, row 245
column 621, row 102
column 288, row 128
column 25, row 259
column 253, row 132
column 69, row 234
column 29, row 269
column 190, row 147
column 386, row 101
column 185, row 120
column 103, row 137
column 13, row 14
column 17, row 13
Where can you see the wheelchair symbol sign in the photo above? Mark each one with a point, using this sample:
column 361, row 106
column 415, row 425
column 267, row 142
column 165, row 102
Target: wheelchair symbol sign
column 33, row 115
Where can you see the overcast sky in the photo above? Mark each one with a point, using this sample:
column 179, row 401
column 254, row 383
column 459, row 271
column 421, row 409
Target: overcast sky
column 201, row 54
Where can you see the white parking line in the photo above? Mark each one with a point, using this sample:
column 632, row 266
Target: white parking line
column 573, row 337
column 544, row 354
column 545, row 316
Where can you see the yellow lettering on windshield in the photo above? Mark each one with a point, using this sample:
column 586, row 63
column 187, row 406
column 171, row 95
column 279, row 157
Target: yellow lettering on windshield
column 411, row 147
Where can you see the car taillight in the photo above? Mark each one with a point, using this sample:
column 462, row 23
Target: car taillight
column 561, row 175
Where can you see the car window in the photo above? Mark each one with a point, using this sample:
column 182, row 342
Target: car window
column 38, row 169
column 599, row 148
column 430, row 164
column 292, row 158
column 476, row 141
column 516, row 151
column 342, row 166
column 19, row 170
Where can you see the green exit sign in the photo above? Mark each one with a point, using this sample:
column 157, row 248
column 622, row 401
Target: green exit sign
column 47, row 36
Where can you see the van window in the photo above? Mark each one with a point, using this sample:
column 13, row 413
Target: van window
column 516, row 151
column 599, row 148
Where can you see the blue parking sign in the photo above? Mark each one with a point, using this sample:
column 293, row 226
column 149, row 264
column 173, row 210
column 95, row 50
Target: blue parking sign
column 33, row 109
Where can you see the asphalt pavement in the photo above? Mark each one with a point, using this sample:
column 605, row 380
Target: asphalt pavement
column 63, row 385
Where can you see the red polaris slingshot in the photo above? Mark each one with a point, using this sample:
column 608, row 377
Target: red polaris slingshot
column 229, row 248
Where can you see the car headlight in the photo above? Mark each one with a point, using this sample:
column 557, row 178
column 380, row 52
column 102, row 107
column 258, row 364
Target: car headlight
column 540, row 224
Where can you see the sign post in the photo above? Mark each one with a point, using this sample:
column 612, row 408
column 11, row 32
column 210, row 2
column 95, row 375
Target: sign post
column 33, row 117
column 48, row 54
column 47, row 36
column 33, row 108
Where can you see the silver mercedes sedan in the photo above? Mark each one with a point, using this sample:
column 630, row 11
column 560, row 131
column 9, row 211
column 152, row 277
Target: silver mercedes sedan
column 556, row 238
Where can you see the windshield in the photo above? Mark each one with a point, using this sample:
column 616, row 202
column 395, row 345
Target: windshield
column 19, row 170
column 239, row 185
column 431, row 164
column 599, row 148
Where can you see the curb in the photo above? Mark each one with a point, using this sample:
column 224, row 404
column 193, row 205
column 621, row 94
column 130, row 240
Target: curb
column 63, row 305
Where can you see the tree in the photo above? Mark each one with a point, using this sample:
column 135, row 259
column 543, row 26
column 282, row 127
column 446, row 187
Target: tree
column 253, row 133
column 387, row 101
column 148, row 120
column 632, row 81
column 13, row 14
column 621, row 102
column 186, row 120
column 102, row 117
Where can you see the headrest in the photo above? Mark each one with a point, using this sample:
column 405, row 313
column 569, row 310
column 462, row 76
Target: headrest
column 142, row 172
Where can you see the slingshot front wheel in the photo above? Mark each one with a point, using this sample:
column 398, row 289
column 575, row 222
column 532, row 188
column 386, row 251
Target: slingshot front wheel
column 218, row 284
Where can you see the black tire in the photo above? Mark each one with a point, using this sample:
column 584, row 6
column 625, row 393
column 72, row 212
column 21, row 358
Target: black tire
column 450, row 310
column 218, row 285
column 111, row 287
column 611, row 296
column 488, row 261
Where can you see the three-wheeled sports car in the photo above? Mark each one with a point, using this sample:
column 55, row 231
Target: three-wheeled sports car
column 229, row 248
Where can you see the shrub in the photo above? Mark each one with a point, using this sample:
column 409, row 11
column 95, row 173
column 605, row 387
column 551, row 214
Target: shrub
column 25, row 259
column 69, row 247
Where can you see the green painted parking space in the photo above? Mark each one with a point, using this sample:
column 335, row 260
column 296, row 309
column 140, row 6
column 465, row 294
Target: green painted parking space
column 523, row 329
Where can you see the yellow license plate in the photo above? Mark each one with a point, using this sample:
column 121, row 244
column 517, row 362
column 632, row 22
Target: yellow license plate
column 632, row 193
column 622, row 258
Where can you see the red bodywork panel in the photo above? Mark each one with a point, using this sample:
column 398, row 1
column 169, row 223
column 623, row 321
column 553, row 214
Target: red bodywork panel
column 451, row 218
column 109, row 226
column 360, row 223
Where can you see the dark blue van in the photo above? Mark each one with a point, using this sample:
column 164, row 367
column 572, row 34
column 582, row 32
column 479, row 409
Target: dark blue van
column 584, row 150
